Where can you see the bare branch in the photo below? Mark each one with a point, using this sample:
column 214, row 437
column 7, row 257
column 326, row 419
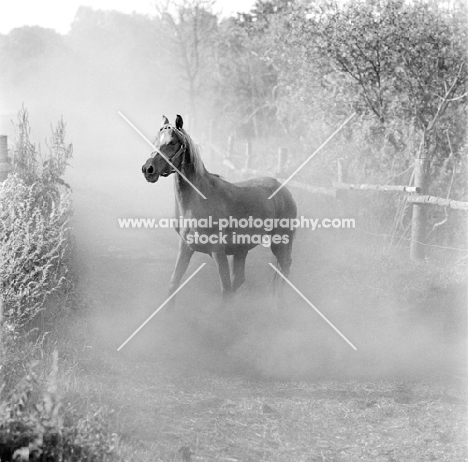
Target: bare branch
column 446, row 100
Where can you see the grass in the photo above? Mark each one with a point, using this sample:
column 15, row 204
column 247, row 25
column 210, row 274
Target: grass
column 165, row 406
column 173, row 411
column 37, row 421
column 177, row 412
column 249, row 385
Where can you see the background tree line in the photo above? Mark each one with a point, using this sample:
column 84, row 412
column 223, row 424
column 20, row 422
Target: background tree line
column 286, row 73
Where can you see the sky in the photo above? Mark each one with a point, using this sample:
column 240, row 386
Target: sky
column 58, row 14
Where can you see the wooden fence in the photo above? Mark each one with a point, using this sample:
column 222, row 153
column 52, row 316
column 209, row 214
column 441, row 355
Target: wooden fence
column 416, row 195
column 5, row 165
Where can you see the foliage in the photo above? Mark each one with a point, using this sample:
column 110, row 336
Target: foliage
column 191, row 32
column 35, row 424
column 34, row 247
column 29, row 162
column 35, row 238
column 406, row 62
column 401, row 66
column 30, row 42
column 286, row 73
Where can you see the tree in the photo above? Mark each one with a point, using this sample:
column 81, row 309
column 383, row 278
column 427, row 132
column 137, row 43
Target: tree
column 246, row 93
column 191, row 28
column 407, row 60
column 401, row 65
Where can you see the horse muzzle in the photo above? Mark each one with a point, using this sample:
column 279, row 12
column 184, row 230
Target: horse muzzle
column 150, row 175
column 152, row 178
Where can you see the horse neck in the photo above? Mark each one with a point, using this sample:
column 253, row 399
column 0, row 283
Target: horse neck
column 197, row 175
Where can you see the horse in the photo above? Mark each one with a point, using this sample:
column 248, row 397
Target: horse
column 204, row 198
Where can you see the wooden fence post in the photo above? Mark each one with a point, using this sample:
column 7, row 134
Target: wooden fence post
column 248, row 155
column 210, row 141
column 342, row 177
column 230, row 149
column 5, row 166
column 227, row 161
column 418, row 222
column 342, row 174
column 466, row 236
column 282, row 159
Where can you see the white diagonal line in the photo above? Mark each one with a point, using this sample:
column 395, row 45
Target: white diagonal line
column 313, row 154
column 314, row 307
column 162, row 155
column 161, row 306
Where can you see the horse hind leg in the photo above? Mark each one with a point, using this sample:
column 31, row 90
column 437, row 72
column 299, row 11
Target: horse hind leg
column 221, row 261
column 282, row 252
column 238, row 269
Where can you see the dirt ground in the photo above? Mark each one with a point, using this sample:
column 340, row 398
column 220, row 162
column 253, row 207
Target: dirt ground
column 246, row 383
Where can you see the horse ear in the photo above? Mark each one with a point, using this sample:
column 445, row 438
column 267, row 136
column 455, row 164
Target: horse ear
column 165, row 121
column 179, row 122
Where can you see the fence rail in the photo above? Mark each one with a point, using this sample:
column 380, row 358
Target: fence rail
column 434, row 200
column 416, row 195
column 250, row 172
column 376, row 187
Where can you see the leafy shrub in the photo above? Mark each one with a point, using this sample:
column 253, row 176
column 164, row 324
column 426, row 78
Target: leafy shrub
column 35, row 425
column 35, row 237
column 34, row 247
column 29, row 161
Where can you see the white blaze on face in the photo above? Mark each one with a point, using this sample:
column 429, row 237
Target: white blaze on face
column 165, row 137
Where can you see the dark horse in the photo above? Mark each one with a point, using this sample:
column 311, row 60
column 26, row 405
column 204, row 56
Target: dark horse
column 223, row 200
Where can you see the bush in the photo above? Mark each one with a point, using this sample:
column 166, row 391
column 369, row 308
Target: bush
column 34, row 248
column 35, row 237
column 36, row 279
column 36, row 426
column 29, row 162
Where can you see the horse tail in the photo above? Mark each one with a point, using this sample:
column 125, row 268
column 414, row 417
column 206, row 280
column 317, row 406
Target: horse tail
column 286, row 207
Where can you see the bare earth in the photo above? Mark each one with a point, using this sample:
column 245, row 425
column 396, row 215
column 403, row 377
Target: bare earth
column 247, row 384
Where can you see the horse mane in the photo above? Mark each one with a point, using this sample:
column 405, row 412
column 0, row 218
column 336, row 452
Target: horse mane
column 194, row 150
column 194, row 153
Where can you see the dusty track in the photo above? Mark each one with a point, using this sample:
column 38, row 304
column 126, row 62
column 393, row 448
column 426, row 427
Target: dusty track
column 204, row 384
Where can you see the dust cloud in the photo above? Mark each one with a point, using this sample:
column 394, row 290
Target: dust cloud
column 125, row 273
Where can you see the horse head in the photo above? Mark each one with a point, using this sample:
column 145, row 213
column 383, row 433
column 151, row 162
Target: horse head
column 170, row 146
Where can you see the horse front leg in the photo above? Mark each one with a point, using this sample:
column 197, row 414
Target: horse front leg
column 221, row 261
column 183, row 259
